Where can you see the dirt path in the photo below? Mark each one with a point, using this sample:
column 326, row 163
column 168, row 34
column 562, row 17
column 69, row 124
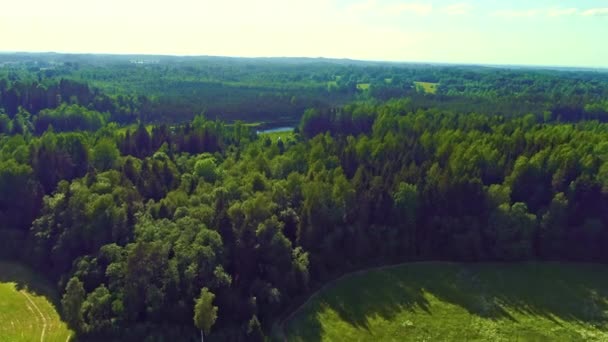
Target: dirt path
column 44, row 323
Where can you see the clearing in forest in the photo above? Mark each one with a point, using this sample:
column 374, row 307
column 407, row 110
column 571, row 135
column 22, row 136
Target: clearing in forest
column 426, row 87
column 460, row 302
column 363, row 86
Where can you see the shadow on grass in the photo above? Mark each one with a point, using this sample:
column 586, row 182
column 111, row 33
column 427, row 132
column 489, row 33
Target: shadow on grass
column 568, row 292
column 26, row 279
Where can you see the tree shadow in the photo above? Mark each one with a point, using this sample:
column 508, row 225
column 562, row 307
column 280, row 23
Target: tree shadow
column 26, row 279
column 566, row 292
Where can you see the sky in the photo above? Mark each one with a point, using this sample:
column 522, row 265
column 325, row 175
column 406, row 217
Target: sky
column 540, row 32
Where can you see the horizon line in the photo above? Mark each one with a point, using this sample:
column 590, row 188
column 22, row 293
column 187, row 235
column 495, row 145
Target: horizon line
column 387, row 61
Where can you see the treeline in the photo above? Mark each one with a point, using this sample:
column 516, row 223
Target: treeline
column 357, row 118
column 133, row 223
column 63, row 103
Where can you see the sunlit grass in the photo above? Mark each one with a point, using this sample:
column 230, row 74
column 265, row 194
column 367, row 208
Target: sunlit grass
column 27, row 312
column 363, row 86
column 461, row 302
column 426, row 87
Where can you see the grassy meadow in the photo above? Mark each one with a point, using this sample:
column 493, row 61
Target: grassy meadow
column 460, row 302
column 363, row 86
column 27, row 312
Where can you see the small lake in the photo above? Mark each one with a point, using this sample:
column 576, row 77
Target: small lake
column 277, row 129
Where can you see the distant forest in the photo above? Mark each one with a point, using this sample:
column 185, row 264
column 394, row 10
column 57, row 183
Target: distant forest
column 161, row 89
column 140, row 187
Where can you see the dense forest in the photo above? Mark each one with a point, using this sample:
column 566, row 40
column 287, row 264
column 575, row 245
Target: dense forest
column 164, row 89
column 155, row 226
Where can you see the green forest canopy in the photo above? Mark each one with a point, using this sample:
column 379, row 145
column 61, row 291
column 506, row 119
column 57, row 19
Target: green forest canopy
column 131, row 220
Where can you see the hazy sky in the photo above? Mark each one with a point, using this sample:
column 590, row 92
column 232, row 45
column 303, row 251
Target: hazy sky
column 544, row 32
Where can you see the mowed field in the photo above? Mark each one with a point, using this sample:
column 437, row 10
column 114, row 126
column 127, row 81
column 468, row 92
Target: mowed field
column 26, row 309
column 460, row 302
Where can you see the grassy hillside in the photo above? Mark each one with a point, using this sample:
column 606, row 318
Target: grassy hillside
column 27, row 312
column 460, row 302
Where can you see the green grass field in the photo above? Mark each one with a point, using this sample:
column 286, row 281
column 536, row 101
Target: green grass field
column 426, row 87
column 363, row 86
column 460, row 302
column 27, row 312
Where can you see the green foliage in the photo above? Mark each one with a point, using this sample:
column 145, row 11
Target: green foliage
column 257, row 227
column 205, row 313
column 145, row 215
column 206, row 169
column 80, row 218
column 97, row 311
column 105, row 155
column 19, row 195
column 148, row 277
column 513, row 228
column 553, row 227
column 254, row 330
column 71, row 303
column 22, row 122
column 406, row 202
column 5, row 124
column 69, row 118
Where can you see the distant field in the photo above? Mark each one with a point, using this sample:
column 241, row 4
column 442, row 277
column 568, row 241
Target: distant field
column 26, row 310
column 123, row 129
column 363, row 86
column 460, row 302
column 274, row 136
column 426, row 87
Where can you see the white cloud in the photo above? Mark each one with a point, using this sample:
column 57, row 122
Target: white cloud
column 413, row 7
column 518, row 13
column 362, row 7
column 458, row 9
column 559, row 12
column 374, row 7
column 597, row 12
column 552, row 12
